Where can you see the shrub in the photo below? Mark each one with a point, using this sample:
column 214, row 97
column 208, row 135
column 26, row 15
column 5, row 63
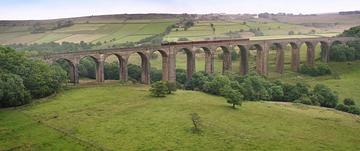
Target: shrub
column 349, row 102
column 324, row 96
column 159, row 89
column 292, row 93
column 354, row 110
column 317, row 70
column 171, row 87
column 352, row 32
column 342, row 107
column 38, row 78
column 197, row 81
column 232, row 96
column 215, row 85
column 342, row 52
column 276, row 93
column 195, row 118
column 12, row 91
column 304, row 100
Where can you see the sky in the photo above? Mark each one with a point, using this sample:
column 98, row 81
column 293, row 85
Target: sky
column 51, row 9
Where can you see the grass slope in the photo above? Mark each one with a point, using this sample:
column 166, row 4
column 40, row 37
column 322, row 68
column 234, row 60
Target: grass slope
column 126, row 118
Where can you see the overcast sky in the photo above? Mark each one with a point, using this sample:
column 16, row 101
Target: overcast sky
column 49, row 9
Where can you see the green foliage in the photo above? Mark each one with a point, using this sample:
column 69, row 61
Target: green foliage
column 304, row 100
column 232, row 96
column 342, row 107
column 32, row 77
column 134, row 72
column 12, row 91
column 342, row 52
column 324, row 96
column 181, row 76
column 352, row 32
column 276, row 92
column 159, row 89
column 354, row 110
column 195, row 118
column 215, row 85
column 155, row 75
column 356, row 45
column 349, row 102
column 197, row 81
column 320, row 69
column 254, row 87
column 172, row 87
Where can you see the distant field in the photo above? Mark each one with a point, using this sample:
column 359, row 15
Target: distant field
column 115, row 29
column 269, row 28
column 109, row 32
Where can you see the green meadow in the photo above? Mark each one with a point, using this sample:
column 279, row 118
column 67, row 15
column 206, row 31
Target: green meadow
column 118, row 117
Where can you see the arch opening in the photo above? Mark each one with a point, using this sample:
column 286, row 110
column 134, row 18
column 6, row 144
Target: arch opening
column 243, row 60
column 139, row 68
column 260, row 58
column 159, row 67
column 90, row 70
column 185, row 64
column 70, row 68
column 115, row 68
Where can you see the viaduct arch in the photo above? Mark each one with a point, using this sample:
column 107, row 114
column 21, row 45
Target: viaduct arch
column 168, row 53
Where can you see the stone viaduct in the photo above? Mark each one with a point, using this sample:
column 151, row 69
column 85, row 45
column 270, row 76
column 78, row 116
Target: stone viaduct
column 168, row 52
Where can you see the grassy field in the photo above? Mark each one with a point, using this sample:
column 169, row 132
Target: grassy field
column 115, row 117
column 271, row 30
column 113, row 30
column 117, row 32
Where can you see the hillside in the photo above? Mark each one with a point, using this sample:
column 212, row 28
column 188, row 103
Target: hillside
column 119, row 29
column 114, row 117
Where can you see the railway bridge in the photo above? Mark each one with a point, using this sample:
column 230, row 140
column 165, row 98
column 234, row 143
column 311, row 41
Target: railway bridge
column 168, row 53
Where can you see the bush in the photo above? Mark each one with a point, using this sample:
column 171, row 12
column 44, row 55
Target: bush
column 197, row 81
column 342, row 107
column 12, row 91
column 159, row 89
column 324, row 96
column 354, row 110
column 349, row 102
column 342, row 52
column 232, row 96
column 215, row 85
column 304, row 100
column 352, row 32
column 38, row 78
column 172, row 87
column 276, row 93
column 318, row 70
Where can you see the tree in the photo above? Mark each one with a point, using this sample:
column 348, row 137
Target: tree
column 159, row 89
column 38, row 78
column 349, row 102
column 277, row 93
column 12, row 91
column 232, row 96
column 291, row 33
column 342, row 52
column 215, row 85
column 195, row 118
column 324, row 96
column 352, row 32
